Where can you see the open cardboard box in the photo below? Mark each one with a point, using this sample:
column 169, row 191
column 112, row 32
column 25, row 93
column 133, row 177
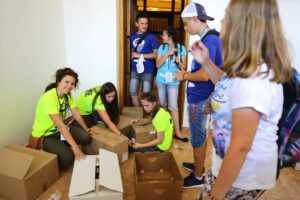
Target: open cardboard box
column 25, row 173
column 109, row 141
column 85, row 184
column 144, row 131
column 157, row 176
column 135, row 112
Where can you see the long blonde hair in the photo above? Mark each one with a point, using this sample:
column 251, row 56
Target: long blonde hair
column 253, row 35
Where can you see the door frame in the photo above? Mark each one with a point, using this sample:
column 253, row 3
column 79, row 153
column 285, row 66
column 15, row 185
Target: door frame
column 121, row 59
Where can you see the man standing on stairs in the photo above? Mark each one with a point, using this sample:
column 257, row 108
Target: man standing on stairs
column 199, row 88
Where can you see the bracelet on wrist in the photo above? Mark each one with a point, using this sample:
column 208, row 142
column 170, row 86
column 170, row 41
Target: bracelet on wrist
column 210, row 196
column 183, row 75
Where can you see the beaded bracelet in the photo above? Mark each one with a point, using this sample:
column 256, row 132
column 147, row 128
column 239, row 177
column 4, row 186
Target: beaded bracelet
column 210, row 196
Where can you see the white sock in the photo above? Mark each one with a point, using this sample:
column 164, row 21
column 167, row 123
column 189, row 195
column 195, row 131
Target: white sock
column 198, row 178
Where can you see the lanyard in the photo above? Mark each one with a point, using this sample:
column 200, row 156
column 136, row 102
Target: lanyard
column 203, row 33
column 224, row 79
column 61, row 104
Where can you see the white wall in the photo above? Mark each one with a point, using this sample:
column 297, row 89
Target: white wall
column 289, row 12
column 32, row 47
column 91, row 41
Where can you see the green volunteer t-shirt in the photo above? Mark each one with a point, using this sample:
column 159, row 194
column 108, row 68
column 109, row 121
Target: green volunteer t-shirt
column 49, row 103
column 163, row 122
column 84, row 102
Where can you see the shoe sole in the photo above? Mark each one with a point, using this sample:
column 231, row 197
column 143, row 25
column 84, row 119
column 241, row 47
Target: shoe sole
column 194, row 186
column 187, row 168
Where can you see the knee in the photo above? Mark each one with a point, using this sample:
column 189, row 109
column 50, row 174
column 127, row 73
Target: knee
column 66, row 159
column 86, row 138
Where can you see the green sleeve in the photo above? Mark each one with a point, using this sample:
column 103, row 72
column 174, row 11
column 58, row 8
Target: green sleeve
column 99, row 105
column 160, row 122
column 50, row 104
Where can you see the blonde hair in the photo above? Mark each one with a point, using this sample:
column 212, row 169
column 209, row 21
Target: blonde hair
column 253, row 35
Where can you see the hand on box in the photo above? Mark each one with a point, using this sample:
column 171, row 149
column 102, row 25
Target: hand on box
column 134, row 121
column 78, row 153
column 137, row 145
column 94, row 132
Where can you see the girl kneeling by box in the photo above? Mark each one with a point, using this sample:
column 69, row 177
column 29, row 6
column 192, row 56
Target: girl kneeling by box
column 162, row 122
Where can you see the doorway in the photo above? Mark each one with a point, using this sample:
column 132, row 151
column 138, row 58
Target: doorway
column 162, row 13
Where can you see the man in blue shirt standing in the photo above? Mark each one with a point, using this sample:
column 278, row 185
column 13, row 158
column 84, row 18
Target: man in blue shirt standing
column 144, row 51
column 199, row 88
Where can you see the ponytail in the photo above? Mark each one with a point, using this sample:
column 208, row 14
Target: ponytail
column 50, row 86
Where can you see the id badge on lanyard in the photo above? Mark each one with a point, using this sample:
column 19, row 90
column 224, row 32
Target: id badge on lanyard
column 169, row 75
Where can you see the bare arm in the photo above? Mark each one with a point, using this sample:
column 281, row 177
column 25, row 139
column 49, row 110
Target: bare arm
column 199, row 75
column 158, row 140
column 80, row 120
column 201, row 55
column 162, row 58
column 67, row 135
column 148, row 56
column 244, row 125
column 103, row 114
column 182, row 65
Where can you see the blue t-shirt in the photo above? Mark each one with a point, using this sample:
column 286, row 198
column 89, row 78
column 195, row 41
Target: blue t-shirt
column 200, row 90
column 146, row 46
column 169, row 64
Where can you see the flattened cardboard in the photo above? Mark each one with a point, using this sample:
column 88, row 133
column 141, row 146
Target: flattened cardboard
column 135, row 112
column 144, row 131
column 110, row 178
column 110, row 175
column 157, row 176
column 40, row 175
column 109, row 141
column 83, row 181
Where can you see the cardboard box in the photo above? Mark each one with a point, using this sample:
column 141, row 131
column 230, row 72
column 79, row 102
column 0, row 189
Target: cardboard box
column 144, row 131
column 109, row 141
column 85, row 184
column 135, row 112
column 157, row 176
column 123, row 125
column 26, row 173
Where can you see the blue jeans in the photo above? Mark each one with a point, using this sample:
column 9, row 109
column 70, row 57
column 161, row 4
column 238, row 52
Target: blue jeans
column 197, row 122
column 135, row 81
column 169, row 92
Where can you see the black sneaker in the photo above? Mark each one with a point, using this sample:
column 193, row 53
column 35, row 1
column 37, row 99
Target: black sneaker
column 182, row 139
column 191, row 167
column 192, row 182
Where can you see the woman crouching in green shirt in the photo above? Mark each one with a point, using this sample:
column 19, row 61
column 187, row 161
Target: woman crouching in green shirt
column 50, row 112
column 100, row 103
column 162, row 122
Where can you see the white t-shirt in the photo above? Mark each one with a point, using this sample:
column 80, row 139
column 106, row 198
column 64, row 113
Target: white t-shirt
column 266, row 97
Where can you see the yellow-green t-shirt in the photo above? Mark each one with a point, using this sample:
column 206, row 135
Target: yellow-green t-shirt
column 84, row 102
column 163, row 122
column 49, row 103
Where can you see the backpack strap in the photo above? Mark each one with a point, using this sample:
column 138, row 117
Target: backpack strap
column 211, row 32
column 140, row 40
column 290, row 121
